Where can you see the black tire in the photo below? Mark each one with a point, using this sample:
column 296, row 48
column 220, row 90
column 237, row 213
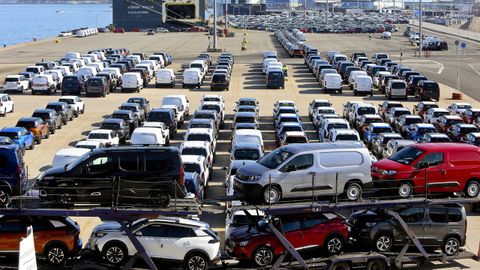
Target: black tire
column 196, row 261
column 32, row 146
column 52, row 131
column 274, row 194
column 115, row 253
column 340, row 266
column 376, row 264
column 472, row 189
column 451, row 246
column 334, row 244
column 13, row 108
column 383, row 242
column 83, row 110
column 4, row 198
column 263, row 256
column 48, row 134
column 39, row 141
column 55, row 254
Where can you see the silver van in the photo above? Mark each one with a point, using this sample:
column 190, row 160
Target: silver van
column 290, row 169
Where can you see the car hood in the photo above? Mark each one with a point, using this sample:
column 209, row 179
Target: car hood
column 53, row 171
column 251, row 169
column 387, row 164
column 245, row 233
column 108, row 226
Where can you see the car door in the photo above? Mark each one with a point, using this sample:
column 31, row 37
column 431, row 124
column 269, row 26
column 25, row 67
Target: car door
column 438, row 175
column 294, row 233
column 95, row 183
column 176, row 241
column 294, row 177
column 151, row 236
column 435, row 227
column 415, row 218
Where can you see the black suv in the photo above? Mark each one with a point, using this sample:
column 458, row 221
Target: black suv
column 97, row 86
column 50, row 116
column 436, row 226
column 149, row 175
column 63, row 109
column 128, row 117
column 119, row 125
column 166, row 116
column 73, row 85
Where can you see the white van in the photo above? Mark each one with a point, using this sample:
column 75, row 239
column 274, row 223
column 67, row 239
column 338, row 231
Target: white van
column 43, row 84
column 396, row 89
column 200, row 64
column 248, row 136
column 159, row 59
column 153, row 64
column 362, row 85
column 192, row 78
column 165, row 77
column 35, row 69
column 132, row 81
column 97, row 65
column 149, row 136
column 180, row 101
column 68, row 155
column 87, row 72
column 355, row 74
column 270, row 54
column 71, row 55
column 266, row 62
column 332, row 82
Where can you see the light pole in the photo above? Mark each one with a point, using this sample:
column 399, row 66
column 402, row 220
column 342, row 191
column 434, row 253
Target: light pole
column 214, row 24
column 420, row 49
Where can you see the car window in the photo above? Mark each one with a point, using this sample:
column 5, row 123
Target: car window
column 152, row 230
column 129, row 163
column 159, row 163
column 454, row 215
column 15, row 225
column 100, row 164
column 432, row 159
column 340, row 159
column 177, row 232
column 291, row 226
column 298, row 163
column 411, row 215
column 308, row 223
column 438, row 215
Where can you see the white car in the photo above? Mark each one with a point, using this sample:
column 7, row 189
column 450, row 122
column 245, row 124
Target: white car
column 202, row 135
column 105, row 136
column 457, row 108
column 172, row 239
column 6, row 104
column 198, row 164
column 216, row 98
column 165, row 77
column 89, row 145
column 328, row 124
column 198, row 149
column 181, row 102
column 431, row 116
column 320, row 111
column 246, row 151
column 16, row 83
column 76, row 104
column 337, row 135
column 149, row 136
column 318, row 103
column 68, row 155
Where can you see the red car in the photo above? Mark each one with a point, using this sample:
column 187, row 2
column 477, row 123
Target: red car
column 257, row 244
column 469, row 115
column 449, row 167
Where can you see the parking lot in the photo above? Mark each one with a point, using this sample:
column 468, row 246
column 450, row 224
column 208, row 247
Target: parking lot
column 247, row 81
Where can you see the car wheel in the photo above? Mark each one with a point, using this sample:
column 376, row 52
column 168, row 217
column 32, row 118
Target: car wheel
column 13, row 108
column 405, row 190
column 341, row 266
column 4, row 198
column 55, row 254
column 83, row 110
column 196, row 261
column 115, row 253
column 472, row 189
column 353, row 192
column 53, row 130
column 263, row 256
column 32, row 146
column 39, row 141
column 334, row 245
column 451, row 246
column 271, row 194
column 376, row 264
column 383, row 242
column 47, row 135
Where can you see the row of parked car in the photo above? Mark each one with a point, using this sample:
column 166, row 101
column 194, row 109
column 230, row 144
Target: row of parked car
column 362, row 74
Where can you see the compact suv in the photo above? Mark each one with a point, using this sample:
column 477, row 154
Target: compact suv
column 436, row 226
column 166, row 116
column 51, row 117
column 97, row 86
column 13, row 180
column 20, row 136
column 147, row 175
column 449, row 167
column 256, row 243
column 62, row 109
column 187, row 241
column 36, row 126
column 56, row 238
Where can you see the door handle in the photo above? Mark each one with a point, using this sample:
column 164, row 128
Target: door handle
column 443, row 171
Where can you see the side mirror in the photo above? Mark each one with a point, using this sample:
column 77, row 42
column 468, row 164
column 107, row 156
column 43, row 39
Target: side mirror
column 423, row 165
column 138, row 234
column 290, row 168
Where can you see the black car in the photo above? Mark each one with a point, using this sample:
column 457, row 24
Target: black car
column 111, row 78
column 105, row 176
column 119, row 125
column 121, row 66
column 143, row 102
column 73, row 85
column 166, row 116
column 220, row 82
column 128, row 117
column 51, row 117
column 428, row 90
column 62, row 108
column 97, row 86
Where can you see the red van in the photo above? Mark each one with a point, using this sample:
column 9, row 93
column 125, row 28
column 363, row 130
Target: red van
column 449, row 167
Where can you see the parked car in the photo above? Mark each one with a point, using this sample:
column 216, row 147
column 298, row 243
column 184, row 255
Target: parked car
column 16, row 83
column 428, row 90
column 6, row 104
column 435, row 138
column 446, row 121
column 14, row 180
column 394, row 146
column 68, row 155
column 458, row 132
column 150, row 136
column 62, row 109
column 379, row 143
column 20, row 136
column 117, row 125
column 36, row 126
column 143, row 102
column 165, row 116
column 97, row 86
column 51, row 117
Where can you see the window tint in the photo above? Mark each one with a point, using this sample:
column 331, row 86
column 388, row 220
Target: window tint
column 291, row 226
column 340, row 159
column 159, row 163
column 432, row 159
column 313, row 222
column 300, row 162
column 438, row 215
column 3, row 160
column 129, row 163
column 412, row 215
column 454, row 215
column 153, row 230
column 177, row 232
column 14, row 225
column 100, row 164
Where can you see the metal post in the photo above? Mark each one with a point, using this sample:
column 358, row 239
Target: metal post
column 226, row 15
column 458, row 59
column 420, row 28
column 269, row 190
column 328, row 11
column 214, row 24
column 313, row 187
column 426, row 184
column 141, row 252
column 336, row 188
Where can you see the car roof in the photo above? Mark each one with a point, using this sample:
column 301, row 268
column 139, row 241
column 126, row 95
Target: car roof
column 246, row 145
column 192, row 159
column 113, row 120
column 86, row 142
column 424, row 125
column 344, row 131
column 28, row 119
column 103, row 131
column 295, row 148
column 12, row 129
column 194, row 144
column 69, row 97
column 438, row 135
column 380, row 125
column 446, row 146
column 251, row 114
column 295, row 134
column 72, row 151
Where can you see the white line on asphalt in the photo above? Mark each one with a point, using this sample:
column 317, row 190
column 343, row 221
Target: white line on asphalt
column 474, row 69
column 441, row 67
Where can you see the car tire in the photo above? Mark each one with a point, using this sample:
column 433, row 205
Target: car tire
column 55, row 254
column 376, row 264
column 405, row 190
column 263, row 256
column 115, row 253
column 196, row 261
column 353, row 191
column 83, row 110
column 451, row 246
column 341, row 266
column 334, row 244
column 13, row 108
column 48, row 134
column 383, row 242
column 39, row 141
column 4, row 198
column 472, row 189
column 271, row 194
column 32, row 146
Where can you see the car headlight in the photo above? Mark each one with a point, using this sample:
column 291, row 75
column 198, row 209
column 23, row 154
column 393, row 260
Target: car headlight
column 99, row 234
column 370, row 224
column 254, row 178
column 243, row 243
column 389, row 172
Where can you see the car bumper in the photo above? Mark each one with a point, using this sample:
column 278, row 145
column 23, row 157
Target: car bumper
column 252, row 191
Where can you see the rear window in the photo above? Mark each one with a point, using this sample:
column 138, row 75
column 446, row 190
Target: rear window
column 415, row 120
column 11, row 80
column 211, row 107
column 26, row 124
column 340, row 159
column 398, row 85
column 365, row 110
column 159, row 117
column 195, row 151
column 67, row 100
column 198, row 137
column 296, row 139
column 102, row 136
column 219, row 79
column 192, row 167
column 347, row 137
column 382, row 130
column 163, row 162
column 112, row 126
column 246, row 154
column 242, row 119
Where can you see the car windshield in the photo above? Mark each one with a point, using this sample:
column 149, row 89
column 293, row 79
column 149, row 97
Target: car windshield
column 373, row 120
column 135, row 100
column 195, row 152
column 464, row 107
column 211, row 99
column 129, row 108
column 401, row 112
column 198, row 137
column 11, row 135
column 103, row 136
column 211, row 107
column 246, row 154
column 275, row 158
column 86, row 146
column 247, row 102
column 292, row 128
column 26, row 124
column 123, row 116
column 112, row 126
column 54, row 107
column 413, row 120
column 365, row 110
column 192, row 167
column 67, row 100
column 466, row 130
column 296, row 139
column 452, row 122
column 219, row 78
column 244, row 119
column 426, row 130
column 42, row 115
column 407, row 155
column 398, row 85
column 321, row 104
column 347, row 137
column 158, row 117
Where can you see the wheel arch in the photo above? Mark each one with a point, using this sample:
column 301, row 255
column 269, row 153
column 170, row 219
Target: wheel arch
column 195, row 251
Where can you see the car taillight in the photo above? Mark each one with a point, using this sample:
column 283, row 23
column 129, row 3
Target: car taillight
column 181, row 181
column 19, row 170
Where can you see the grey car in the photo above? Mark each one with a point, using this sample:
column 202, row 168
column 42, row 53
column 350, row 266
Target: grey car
column 63, row 109
column 436, row 226
column 50, row 116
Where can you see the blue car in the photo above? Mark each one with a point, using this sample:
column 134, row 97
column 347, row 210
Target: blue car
column 194, row 184
column 13, row 173
column 21, row 136
column 373, row 130
column 416, row 131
